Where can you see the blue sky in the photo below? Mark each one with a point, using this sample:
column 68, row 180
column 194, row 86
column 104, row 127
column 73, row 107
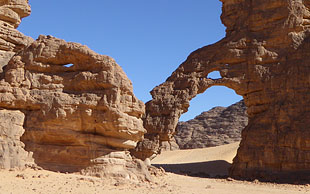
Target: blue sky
column 148, row 39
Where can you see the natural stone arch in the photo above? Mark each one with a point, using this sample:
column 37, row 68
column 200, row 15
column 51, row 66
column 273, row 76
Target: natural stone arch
column 172, row 98
column 264, row 58
column 214, row 118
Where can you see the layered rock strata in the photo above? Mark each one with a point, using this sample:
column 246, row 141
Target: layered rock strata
column 77, row 107
column 11, row 40
column 12, row 153
column 264, row 57
column 218, row 126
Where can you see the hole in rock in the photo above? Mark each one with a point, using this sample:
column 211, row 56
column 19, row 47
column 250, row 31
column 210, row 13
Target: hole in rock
column 214, row 119
column 212, row 97
column 68, row 65
column 214, row 75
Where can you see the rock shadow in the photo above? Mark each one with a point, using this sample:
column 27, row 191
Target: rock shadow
column 210, row 169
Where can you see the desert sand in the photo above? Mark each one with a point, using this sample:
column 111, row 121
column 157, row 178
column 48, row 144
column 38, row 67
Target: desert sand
column 192, row 172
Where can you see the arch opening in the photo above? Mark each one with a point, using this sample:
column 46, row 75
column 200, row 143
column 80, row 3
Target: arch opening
column 214, row 118
column 214, row 75
column 212, row 97
column 68, row 65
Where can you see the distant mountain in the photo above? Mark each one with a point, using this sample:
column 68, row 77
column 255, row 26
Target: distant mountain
column 215, row 127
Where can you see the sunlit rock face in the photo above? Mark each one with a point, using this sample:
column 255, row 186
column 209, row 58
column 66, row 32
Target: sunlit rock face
column 265, row 58
column 11, row 40
column 73, row 109
column 73, row 114
column 12, row 153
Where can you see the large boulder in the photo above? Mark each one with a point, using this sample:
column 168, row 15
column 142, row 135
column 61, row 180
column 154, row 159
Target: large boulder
column 265, row 58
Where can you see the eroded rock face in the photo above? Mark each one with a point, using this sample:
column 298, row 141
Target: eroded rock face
column 73, row 114
column 264, row 57
column 11, row 40
column 77, row 107
column 12, row 153
column 218, row 126
column 119, row 165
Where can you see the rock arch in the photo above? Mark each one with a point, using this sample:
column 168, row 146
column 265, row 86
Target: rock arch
column 264, row 58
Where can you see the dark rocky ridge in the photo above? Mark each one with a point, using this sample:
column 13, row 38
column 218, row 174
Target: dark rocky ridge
column 215, row 127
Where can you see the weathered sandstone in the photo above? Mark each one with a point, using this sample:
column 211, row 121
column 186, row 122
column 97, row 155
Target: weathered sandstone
column 264, row 57
column 73, row 114
column 78, row 105
column 11, row 40
column 218, row 126
column 12, row 153
column 75, row 107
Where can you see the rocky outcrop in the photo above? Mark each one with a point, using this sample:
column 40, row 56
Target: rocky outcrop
column 77, row 107
column 120, row 165
column 264, row 57
column 73, row 114
column 215, row 127
column 11, row 40
column 12, row 153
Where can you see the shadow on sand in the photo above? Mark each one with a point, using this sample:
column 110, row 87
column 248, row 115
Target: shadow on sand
column 210, row 169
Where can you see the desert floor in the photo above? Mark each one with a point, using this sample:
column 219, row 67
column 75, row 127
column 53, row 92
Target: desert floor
column 188, row 172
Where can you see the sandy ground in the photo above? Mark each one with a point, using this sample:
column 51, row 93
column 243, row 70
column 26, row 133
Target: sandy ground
column 182, row 181
column 206, row 162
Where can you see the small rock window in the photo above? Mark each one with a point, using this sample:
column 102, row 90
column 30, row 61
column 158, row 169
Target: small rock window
column 214, row 75
column 68, row 65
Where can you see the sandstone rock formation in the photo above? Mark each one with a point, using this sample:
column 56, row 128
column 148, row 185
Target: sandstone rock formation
column 77, row 107
column 73, row 114
column 120, row 165
column 12, row 153
column 11, row 40
column 215, row 127
column 264, row 57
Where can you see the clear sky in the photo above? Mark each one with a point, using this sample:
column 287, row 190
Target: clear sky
column 148, row 39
